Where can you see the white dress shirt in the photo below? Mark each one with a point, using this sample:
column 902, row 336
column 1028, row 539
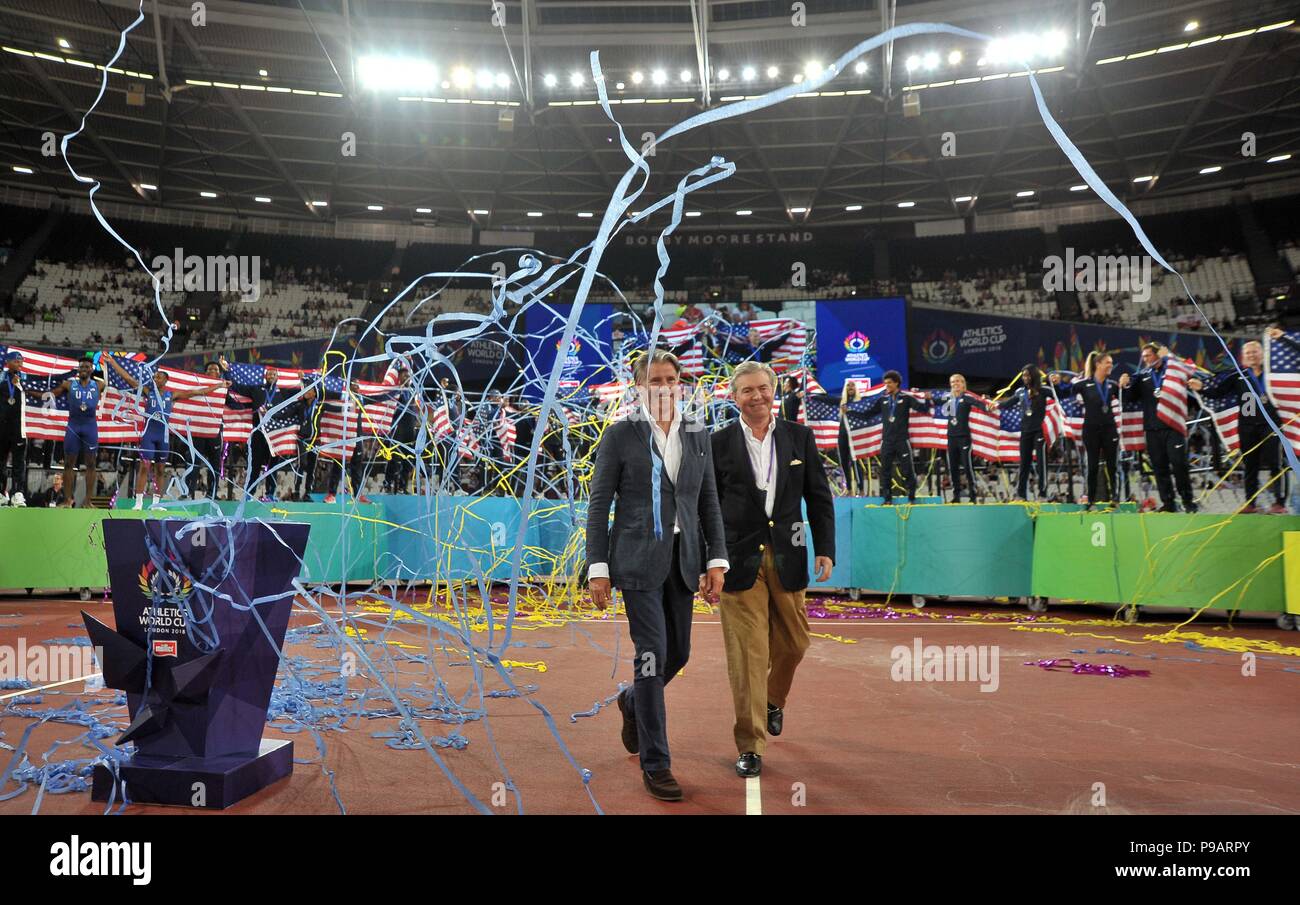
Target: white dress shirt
column 762, row 456
column 669, row 446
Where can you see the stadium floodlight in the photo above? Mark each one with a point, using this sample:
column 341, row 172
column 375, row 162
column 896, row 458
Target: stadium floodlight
column 812, row 68
column 1053, row 43
column 383, row 73
column 549, row 80
column 685, row 76
column 724, row 74
column 576, row 79
column 424, row 210
column 207, row 194
column 743, row 213
column 534, row 213
column 773, row 71
column 374, row 207
column 586, row 215
column 485, row 79
column 63, row 42
column 931, row 61
column 658, row 76
column 1279, row 158
column 263, row 73
column 147, row 186
column 798, row 210
column 860, row 67
column 638, row 77
column 461, row 77
column 749, row 73
column 1143, row 178
column 962, row 199
column 853, row 207
column 1206, row 171
column 692, row 213
column 954, row 58
column 1027, row 193
column 320, row 204
column 480, row 212
column 1192, row 26
column 26, row 171
column 503, row 80
column 1078, row 188
column 262, row 199
column 913, row 62
column 907, row 204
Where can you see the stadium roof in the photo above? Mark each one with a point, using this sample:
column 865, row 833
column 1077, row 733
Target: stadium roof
column 465, row 122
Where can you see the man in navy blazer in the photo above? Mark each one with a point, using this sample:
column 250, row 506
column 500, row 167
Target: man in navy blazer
column 659, row 466
column 767, row 470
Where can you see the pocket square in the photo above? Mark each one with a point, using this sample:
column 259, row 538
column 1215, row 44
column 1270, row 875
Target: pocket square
column 794, row 462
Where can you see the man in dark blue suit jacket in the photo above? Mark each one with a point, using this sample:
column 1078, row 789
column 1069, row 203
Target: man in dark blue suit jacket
column 767, row 470
column 660, row 467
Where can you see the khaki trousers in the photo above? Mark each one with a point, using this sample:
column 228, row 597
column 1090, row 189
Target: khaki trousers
column 765, row 631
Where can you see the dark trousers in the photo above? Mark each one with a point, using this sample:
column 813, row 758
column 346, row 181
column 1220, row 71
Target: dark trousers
column 1033, row 454
column 398, row 472
column 306, row 470
column 1259, row 448
column 209, row 448
column 897, row 454
column 13, row 444
column 1168, row 452
column 959, row 463
column 356, row 473
column 660, row 625
column 852, row 468
column 262, row 460
column 1101, row 446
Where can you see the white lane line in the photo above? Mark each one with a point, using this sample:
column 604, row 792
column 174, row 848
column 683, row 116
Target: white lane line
column 17, row 694
column 753, row 796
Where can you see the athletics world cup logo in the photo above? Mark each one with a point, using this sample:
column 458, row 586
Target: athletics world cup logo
column 856, row 342
column 167, row 586
column 939, row 347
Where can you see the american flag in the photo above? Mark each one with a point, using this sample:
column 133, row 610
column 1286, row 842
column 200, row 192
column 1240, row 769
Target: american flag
column 822, row 414
column 198, row 416
column 1172, row 407
column 441, row 421
column 931, row 431
column 866, row 431
column 48, row 419
column 506, row 433
column 1225, row 411
column 1282, row 374
column 1010, row 418
column 281, row 431
column 238, row 416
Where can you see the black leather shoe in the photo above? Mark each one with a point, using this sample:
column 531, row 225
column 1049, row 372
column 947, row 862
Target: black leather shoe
column 749, row 764
column 630, row 741
column 662, row 785
column 775, row 720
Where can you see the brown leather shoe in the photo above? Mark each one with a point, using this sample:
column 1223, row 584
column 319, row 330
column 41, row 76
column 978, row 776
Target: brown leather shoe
column 630, row 740
column 662, row 785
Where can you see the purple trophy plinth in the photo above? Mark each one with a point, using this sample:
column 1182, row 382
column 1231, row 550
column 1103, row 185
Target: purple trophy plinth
column 197, row 666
